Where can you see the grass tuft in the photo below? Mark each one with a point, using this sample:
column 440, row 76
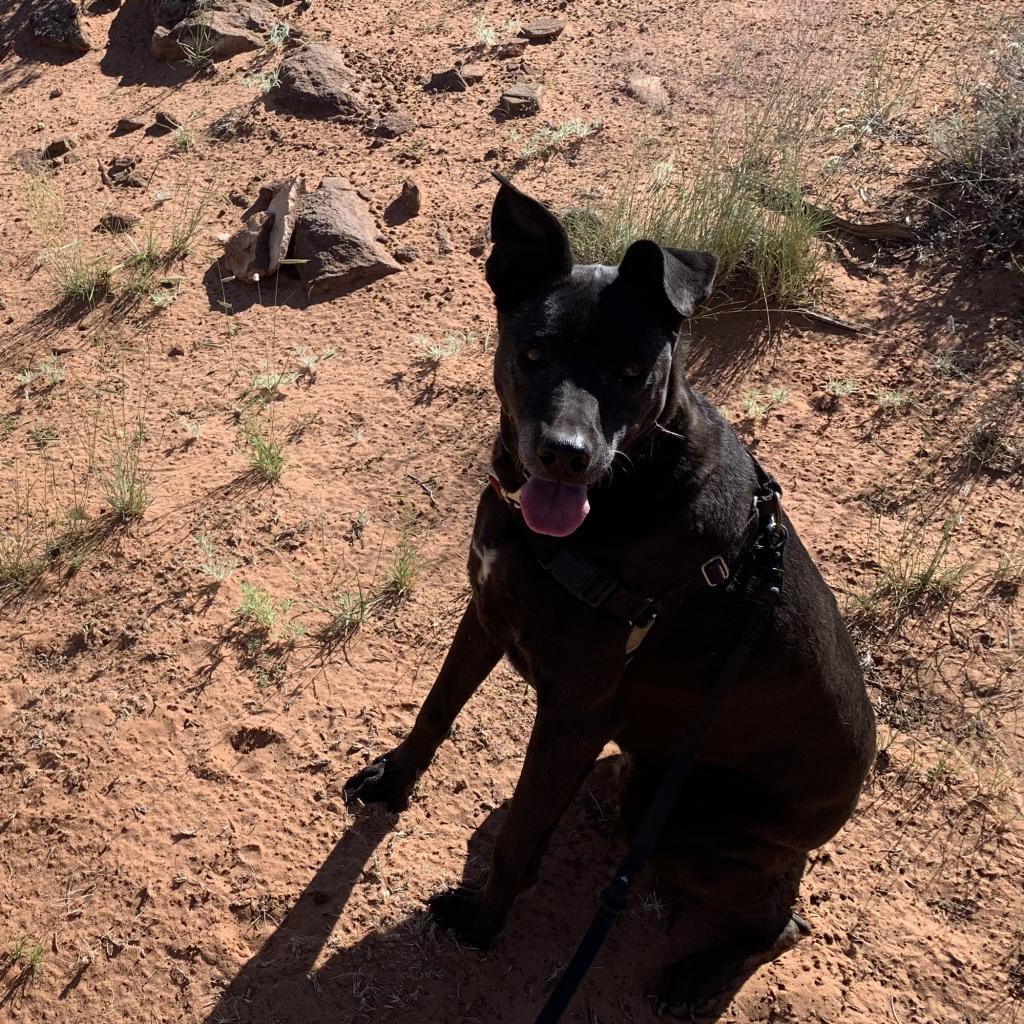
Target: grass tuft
column 266, row 454
column 407, row 564
column 916, row 576
column 124, row 481
column 982, row 148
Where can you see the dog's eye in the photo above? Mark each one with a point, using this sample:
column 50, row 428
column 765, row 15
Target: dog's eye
column 534, row 355
column 632, row 369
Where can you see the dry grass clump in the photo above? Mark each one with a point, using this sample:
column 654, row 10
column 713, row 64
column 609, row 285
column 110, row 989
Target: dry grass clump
column 982, row 148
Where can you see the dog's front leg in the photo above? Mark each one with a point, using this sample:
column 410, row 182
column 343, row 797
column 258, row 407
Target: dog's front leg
column 390, row 778
column 562, row 749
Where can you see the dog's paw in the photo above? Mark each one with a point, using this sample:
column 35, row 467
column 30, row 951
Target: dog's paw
column 689, row 984
column 458, row 911
column 380, row 782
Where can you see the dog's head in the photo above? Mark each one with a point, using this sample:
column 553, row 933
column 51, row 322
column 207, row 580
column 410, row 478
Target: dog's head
column 584, row 358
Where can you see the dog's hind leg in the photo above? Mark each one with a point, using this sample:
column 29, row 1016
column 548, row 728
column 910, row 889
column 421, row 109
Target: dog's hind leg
column 390, row 779
column 754, row 921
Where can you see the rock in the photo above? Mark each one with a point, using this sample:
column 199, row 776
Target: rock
column 315, row 81
column 129, row 124
column 59, row 147
column 472, row 73
column 445, row 81
column 237, row 123
column 649, row 90
column 56, row 93
column 542, row 30
column 117, row 222
column 526, row 72
column 167, row 119
column 406, row 206
column 337, row 237
column 58, row 23
column 120, row 172
column 284, row 201
column 242, row 250
column 394, row 124
column 258, row 248
column 213, row 33
column 444, row 241
column 407, row 254
column 169, row 12
column 510, row 48
column 520, row 100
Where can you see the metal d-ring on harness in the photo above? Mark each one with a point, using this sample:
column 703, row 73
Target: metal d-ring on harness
column 760, row 562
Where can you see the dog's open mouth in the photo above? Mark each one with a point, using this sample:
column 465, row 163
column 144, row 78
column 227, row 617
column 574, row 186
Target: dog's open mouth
column 553, row 508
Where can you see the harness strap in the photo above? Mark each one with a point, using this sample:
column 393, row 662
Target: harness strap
column 764, row 558
column 590, row 583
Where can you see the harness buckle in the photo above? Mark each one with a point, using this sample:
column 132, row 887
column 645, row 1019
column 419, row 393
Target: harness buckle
column 715, row 571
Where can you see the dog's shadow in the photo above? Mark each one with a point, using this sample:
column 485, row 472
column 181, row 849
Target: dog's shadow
column 410, row 972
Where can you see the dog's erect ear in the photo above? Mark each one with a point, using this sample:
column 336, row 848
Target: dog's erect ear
column 531, row 249
column 682, row 277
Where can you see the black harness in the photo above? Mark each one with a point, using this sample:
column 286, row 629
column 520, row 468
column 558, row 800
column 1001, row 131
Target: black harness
column 751, row 566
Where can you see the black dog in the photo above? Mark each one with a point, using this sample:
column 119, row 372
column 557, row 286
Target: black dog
column 604, row 442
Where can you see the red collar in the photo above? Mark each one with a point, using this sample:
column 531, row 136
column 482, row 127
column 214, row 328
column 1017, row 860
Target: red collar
column 509, row 497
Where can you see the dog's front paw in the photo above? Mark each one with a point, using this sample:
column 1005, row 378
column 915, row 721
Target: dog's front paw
column 459, row 911
column 381, row 782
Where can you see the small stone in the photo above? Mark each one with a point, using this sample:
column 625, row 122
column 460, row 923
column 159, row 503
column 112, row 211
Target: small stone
column 174, row 351
column 510, row 48
column 129, row 124
column 527, row 72
column 406, row 254
column 394, row 124
column 117, row 222
column 121, row 172
column 520, row 100
column 237, row 123
column 472, row 73
column 444, row 241
column 58, row 23
column 55, row 94
column 167, row 119
column 406, row 206
column 411, row 197
column 59, row 147
column 649, row 90
column 446, row 81
column 543, row 30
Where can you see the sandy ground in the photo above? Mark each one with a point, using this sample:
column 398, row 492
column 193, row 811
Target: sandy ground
column 172, row 833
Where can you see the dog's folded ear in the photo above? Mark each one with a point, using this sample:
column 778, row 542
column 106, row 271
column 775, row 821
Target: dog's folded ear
column 681, row 277
column 531, row 249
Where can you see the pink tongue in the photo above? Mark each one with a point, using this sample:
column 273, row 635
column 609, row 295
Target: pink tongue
column 553, row 508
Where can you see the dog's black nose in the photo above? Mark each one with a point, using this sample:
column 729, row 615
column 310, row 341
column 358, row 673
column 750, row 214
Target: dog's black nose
column 563, row 456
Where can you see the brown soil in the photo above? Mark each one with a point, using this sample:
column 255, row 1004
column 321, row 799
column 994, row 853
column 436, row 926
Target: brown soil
column 171, row 827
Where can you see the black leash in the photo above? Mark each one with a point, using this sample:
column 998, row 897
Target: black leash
column 765, row 566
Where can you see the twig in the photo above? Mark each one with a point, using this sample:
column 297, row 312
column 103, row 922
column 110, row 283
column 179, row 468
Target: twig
column 426, row 490
column 832, row 321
